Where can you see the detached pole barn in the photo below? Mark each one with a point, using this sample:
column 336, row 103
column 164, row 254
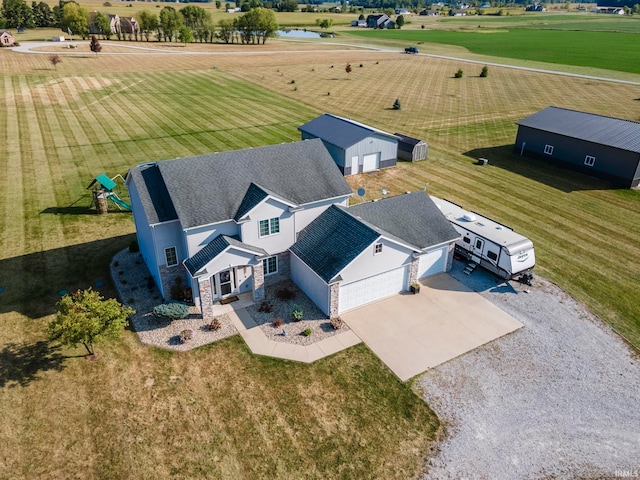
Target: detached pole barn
column 596, row 145
column 411, row 149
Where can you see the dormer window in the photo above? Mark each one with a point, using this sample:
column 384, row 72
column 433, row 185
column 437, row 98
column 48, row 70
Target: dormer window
column 269, row 227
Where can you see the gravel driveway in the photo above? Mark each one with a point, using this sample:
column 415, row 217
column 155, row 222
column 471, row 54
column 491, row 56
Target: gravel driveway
column 559, row 398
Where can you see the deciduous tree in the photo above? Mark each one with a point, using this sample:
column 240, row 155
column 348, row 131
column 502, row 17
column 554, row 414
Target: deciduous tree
column 185, row 35
column 170, row 21
column 148, row 22
column 17, row 13
column 55, row 60
column 75, row 18
column 86, row 317
column 103, row 24
column 94, row 45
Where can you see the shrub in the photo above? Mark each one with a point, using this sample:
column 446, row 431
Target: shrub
column 337, row 323
column 397, row 105
column 171, row 310
column 16, row 44
column 361, row 65
column 106, row 4
column 134, row 247
column 292, row 82
column 265, row 307
column 296, row 313
column 458, row 74
column 307, row 332
column 285, row 293
column 277, row 322
column 485, row 72
column 186, row 335
column 215, row 324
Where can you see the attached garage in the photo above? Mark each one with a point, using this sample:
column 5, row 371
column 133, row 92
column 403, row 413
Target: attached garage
column 361, row 292
column 433, row 262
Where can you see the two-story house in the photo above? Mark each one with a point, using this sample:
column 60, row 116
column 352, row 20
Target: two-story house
column 235, row 222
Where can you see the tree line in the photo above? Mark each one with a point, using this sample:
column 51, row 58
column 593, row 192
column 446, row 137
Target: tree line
column 191, row 23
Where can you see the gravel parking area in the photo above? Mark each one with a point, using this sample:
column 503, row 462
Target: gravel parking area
column 556, row 399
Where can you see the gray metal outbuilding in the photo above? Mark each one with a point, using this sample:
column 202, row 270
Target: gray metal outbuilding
column 355, row 147
column 597, row 145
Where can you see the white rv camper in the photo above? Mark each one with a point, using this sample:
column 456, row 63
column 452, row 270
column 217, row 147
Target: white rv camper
column 488, row 243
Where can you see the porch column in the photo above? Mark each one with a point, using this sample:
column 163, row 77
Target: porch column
column 334, row 299
column 258, row 282
column 206, row 300
column 452, row 247
column 413, row 270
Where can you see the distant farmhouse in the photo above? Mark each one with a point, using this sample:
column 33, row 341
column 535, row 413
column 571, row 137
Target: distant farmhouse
column 6, row 38
column 599, row 146
column 354, row 147
column 380, row 21
column 117, row 25
column 536, row 7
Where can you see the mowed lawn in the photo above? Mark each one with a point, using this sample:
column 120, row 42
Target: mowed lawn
column 585, row 231
column 134, row 411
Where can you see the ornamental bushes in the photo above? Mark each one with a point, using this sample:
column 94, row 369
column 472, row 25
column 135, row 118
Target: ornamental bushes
column 171, row 310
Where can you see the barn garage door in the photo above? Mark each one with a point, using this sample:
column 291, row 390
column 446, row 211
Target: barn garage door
column 370, row 162
column 359, row 293
column 432, row 263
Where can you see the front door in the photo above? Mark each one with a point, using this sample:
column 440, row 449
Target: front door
column 226, row 282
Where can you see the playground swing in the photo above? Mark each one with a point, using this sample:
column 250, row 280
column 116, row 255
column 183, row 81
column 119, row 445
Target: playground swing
column 103, row 190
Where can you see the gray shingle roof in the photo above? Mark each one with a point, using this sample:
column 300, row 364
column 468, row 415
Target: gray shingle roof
column 339, row 131
column 613, row 132
column 253, row 197
column 332, row 241
column 412, row 218
column 211, row 188
column 407, row 143
column 153, row 194
column 214, row 248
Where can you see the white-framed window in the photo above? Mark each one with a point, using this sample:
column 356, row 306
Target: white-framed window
column 270, row 265
column 377, row 248
column 269, row 227
column 589, row 160
column 171, row 256
column 548, row 149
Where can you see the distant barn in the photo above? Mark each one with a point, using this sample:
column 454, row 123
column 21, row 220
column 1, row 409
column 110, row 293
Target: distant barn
column 411, row 149
column 599, row 146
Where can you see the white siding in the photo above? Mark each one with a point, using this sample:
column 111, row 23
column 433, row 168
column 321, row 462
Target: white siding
column 310, row 283
column 367, row 264
column 433, row 262
column 311, row 212
column 275, row 243
column 231, row 258
column 198, row 238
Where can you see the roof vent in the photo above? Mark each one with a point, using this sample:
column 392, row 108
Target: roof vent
column 469, row 217
column 499, row 227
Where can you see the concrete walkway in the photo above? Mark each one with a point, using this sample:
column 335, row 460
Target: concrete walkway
column 413, row 333
column 259, row 344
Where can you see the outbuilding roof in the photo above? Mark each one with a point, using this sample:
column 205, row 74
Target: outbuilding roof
column 609, row 131
column 339, row 131
column 213, row 188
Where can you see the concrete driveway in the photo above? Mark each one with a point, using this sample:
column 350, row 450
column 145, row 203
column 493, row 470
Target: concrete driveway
column 413, row 333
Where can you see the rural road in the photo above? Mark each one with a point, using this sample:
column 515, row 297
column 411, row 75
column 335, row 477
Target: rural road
column 28, row 47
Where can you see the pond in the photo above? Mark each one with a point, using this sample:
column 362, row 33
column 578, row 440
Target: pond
column 303, row 34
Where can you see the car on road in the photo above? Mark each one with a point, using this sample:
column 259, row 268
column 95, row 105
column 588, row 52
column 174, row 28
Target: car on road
column 411, row 50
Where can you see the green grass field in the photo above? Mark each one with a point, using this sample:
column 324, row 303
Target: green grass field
column 220, row 412
column 604, row 50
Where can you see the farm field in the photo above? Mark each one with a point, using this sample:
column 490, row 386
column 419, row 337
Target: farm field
column 219, row 411
column 582, row 48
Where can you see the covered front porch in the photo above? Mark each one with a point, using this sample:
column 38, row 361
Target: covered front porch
column 223, row 269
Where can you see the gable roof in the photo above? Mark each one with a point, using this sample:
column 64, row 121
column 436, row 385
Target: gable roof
column 214, row 188
column 412, row 218
column 153, row 193
column 339, row 131
column 332, row 241
column 214, row 248
column 613, row 132
column 406, row 143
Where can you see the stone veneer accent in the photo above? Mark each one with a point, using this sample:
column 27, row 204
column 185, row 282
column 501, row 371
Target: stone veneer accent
column 168, row 277
column 206, row 300
column 413, row 270
column 258, row 282
column 334, row 299
column 284, row 269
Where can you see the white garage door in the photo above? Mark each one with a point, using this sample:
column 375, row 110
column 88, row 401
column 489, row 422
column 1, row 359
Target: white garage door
column 359, row 293
column 432, row 263
column 370, row 162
